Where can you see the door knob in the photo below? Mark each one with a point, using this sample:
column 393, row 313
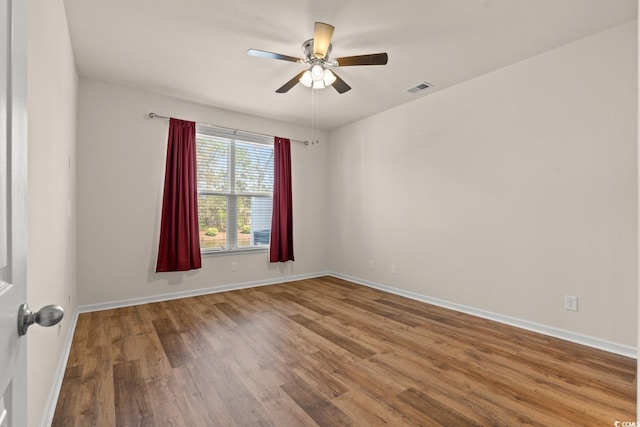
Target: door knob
column 48, row 315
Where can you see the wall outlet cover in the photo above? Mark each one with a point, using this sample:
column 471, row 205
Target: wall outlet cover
column 571, row 302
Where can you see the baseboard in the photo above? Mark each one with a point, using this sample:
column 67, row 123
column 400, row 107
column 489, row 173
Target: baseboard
column 589, row 341
column 54, row 392
column 204, row 291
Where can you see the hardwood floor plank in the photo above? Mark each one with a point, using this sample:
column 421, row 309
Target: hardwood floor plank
column 69, row 404
column 273, row 336
column 97, row 380
column 174, row 346
column 132, row 406
column 320, row 380
column 231, row 312
column 264, row 385
column 370, row 412
column 435, row 409
column 323, row 411
column 243, row 406
column 423, row 312
column 99, row 329
column 380, row 311
column 327, row 352
column 310, row 305
column 202, row 401
column 335, row 338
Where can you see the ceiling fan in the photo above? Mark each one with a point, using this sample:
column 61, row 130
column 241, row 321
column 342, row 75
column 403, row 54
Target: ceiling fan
column 316, row 54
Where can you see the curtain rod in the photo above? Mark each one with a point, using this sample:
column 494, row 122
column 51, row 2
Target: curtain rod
column 158, row 116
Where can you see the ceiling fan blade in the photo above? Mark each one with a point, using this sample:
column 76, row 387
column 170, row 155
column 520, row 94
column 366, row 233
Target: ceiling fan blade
column 291, row 83
column 271, row 55
column 340, row 85
column 322, row 34
column 372, row 59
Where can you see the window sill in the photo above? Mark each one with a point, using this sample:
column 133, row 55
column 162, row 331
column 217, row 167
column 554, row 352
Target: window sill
column 220, row 252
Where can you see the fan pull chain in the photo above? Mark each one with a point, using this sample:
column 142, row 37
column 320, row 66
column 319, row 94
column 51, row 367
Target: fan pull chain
column 317, row 120
column 314, row 118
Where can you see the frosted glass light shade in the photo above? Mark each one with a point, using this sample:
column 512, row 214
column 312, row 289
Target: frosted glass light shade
column 317, row 72
column 306, row 79
column 328, row 77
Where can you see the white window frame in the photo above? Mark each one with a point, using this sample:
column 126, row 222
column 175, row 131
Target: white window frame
column 232, row 197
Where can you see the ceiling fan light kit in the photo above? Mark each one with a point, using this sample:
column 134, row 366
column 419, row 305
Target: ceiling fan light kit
column 316, row 55
column 317, row 77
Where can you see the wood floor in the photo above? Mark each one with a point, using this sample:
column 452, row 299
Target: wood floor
column 329, row 352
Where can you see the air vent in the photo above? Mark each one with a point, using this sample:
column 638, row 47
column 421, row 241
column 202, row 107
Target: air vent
column 419, row 87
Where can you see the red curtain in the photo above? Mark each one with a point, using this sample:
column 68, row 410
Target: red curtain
column 179, row 248
column 281, row 245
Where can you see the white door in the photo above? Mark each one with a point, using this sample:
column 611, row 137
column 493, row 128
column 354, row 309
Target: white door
column 13, row 357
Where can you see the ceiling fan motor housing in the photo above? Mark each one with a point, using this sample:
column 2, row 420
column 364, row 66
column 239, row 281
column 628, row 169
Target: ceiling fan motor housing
column 307, row 48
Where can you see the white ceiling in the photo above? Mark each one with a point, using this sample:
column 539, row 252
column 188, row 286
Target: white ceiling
column 196, row 49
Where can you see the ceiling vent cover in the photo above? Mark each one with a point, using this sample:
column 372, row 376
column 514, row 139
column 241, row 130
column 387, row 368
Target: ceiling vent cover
column 419, row 87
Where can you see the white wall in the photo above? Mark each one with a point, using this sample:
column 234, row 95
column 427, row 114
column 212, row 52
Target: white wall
column 504, row 193
column 121, row 155
column 52, row 86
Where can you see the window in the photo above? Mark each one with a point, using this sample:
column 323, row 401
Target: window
column 235, row 189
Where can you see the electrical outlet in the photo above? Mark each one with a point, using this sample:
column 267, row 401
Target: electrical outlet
column 234, row 266
column 394, row 270
column 571, row 302
column 372, row 265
